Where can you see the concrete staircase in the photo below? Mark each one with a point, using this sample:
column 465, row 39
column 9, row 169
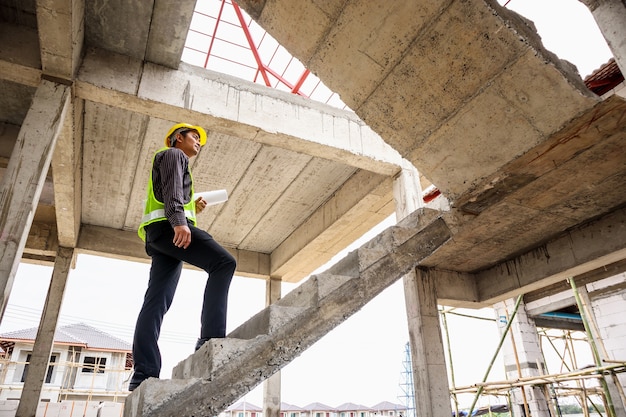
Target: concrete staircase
column 223, row 370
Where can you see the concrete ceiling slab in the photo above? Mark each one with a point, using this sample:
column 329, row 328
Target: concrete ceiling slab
column 463, row 90
column 283, row 160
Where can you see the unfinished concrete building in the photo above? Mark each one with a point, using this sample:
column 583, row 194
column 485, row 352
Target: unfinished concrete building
column 460, row 94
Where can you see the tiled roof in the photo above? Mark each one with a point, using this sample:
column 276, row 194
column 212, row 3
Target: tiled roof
column 386, row 405
column 74, row 334
column 289, row 407
column 351, row 407
column 605, row 78
column 243, row 405
column 382, row 406
column 318, row 407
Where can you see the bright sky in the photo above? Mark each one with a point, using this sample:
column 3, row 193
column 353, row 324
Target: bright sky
column 361, row 361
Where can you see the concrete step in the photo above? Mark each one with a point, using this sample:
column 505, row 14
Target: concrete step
column 223, row 370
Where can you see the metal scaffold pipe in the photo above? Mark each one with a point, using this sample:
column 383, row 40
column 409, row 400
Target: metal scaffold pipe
column 593, row 345
column 495, row 355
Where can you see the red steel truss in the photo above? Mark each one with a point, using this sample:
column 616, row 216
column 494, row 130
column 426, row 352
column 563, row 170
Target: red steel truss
column 223, row 38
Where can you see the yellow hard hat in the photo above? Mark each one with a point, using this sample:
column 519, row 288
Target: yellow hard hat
column 186, row 126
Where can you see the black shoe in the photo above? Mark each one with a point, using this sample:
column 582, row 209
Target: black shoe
column 201, row 342
column 136, row 380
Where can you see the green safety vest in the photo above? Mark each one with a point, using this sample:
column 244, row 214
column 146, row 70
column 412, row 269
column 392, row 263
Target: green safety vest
column 154, row 210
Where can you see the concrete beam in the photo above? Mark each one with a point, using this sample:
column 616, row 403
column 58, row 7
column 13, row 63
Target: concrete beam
column 455, row 289
column 598, row 274
column 67, row 176
column 42, row 240
column 334, row 226
column 578, row 251
column 126, row 245
column 168, row 31
column 19, row 74
column 21, row 60
column 26, row 174
column 235, row 107
column 60, row 24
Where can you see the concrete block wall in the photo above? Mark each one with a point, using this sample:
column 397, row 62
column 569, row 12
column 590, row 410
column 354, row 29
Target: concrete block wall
column 608, row 309
column 527, row 355
column 526, row 340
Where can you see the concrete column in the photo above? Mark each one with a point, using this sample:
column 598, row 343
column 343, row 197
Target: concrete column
column 522, row 358
column 25, row 176
column 430, row 376
column 40, row 357
column 271, row 386
column 607, row 299
column 610, row 15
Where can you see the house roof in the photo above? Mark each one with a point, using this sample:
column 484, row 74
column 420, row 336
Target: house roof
column 243, row 405
column 74, row 334
column 605, row 78
column 351, row 407
column 290, row 407
column 386, row 405
column 318, row 407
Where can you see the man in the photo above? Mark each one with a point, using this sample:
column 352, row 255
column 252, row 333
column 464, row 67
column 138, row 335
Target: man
column 168, row 229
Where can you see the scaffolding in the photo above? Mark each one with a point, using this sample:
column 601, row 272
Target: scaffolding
column 407, row 392
column 567, row 385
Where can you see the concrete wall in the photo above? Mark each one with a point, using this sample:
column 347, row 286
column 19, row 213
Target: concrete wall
column 608, row 301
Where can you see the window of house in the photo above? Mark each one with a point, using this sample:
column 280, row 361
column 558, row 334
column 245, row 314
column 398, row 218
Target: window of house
column 239, row 414
column 318, row 414
column 362, row 414
column 293, row 415
column 93, row 364
column 53, row 359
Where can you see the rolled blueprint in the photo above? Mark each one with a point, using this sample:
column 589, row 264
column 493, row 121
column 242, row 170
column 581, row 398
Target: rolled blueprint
column 212, row 197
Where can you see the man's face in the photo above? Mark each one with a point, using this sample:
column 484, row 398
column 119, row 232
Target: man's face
column 188, row 142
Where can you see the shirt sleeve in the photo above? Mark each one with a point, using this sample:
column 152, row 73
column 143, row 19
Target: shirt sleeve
column 172, row 169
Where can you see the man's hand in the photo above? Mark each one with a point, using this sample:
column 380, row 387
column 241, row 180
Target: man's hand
column 200, row 204
column 182, row 236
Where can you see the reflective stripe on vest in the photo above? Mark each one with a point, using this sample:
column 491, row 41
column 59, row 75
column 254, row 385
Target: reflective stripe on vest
column 160, row 214
column 154, row 210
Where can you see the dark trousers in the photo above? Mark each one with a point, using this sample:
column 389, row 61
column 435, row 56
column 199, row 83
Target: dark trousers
column 167, row 264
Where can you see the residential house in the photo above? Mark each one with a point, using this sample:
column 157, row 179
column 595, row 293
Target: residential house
column 86, row 364
column 352, row 410
column 318, row 410
column 387, row 408
column 242, row 409
column 290, row 410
